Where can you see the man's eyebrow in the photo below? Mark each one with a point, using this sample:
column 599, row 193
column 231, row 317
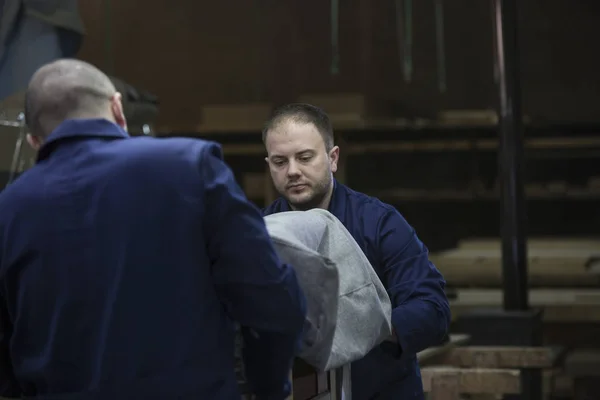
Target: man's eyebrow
column 298, row 153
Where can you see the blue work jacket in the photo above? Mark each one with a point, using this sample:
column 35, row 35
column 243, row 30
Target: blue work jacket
column 420, row 314
column 124, row 263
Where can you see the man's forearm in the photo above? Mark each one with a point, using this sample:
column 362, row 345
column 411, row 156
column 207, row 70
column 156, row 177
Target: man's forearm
column 419, row 324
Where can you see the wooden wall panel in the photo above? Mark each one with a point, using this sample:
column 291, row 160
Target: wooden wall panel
column 191, row 53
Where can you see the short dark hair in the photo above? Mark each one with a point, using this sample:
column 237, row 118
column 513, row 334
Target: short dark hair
column 302, row 113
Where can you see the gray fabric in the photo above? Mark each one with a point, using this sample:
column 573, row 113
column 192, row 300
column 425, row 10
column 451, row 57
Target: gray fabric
column 349, row 310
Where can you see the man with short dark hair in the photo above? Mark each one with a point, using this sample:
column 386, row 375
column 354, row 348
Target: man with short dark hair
column 294, row 121
column 124, row 262
column 302, row 158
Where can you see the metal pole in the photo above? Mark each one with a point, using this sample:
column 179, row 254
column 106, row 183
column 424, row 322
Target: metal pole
column 14, row 166
column 512, row 197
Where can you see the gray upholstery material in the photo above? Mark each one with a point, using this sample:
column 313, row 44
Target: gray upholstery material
column 349, row 310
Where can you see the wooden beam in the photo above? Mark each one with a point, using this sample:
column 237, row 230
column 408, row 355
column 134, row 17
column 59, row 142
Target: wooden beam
column 552, row 313
column 552, row 262
column 445, row 386
column 432, row 354
column 401, row 146
column 559, row 305
column 475, row 380
column 503, row 357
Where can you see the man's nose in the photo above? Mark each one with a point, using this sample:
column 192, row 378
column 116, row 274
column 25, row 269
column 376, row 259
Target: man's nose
column 293, row 169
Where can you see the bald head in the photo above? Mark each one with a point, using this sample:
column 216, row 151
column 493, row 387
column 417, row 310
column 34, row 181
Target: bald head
column 69, row 89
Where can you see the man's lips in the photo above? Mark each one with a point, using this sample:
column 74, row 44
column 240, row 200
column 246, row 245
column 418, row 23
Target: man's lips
column 297, row 186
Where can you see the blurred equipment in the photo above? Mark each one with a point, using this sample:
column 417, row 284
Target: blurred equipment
column 141, row 110
column 140, row 107
column 440, row 44
column 404, row 36
column 15, row 157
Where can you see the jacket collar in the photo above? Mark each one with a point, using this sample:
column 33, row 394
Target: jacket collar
column 337, row 204
column 80, row 128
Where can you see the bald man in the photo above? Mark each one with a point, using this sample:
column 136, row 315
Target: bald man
column 124, row 262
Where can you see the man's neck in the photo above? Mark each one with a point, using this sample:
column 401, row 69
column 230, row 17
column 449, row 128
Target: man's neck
column 327, row 199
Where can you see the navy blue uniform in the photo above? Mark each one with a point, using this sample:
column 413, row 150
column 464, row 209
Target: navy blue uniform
column 123, row 264
column 420, row 314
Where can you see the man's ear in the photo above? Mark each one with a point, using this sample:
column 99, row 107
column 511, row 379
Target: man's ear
column 334, row 156
column 116, row 106
column 267, row 160
column 34, row 141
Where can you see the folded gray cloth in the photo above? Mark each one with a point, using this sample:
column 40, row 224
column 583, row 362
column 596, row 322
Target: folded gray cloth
column 348, row 308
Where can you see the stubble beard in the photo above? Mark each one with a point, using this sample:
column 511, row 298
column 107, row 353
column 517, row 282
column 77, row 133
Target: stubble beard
column 320, row 192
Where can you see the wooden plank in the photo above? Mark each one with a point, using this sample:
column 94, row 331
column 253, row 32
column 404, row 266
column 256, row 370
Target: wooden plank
column 560, row 265
column 552, row 313
column 559, row 305
column 539, row 243
column 240, row 119
column 395, row 194
column 537, row 297
column 445, row 386
column 433, row 353
column 398, row 146
column 540, row 261
column 476, row 380
column 469, row 117
column 535, row 255
column 503, row 357
column 456, row 278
